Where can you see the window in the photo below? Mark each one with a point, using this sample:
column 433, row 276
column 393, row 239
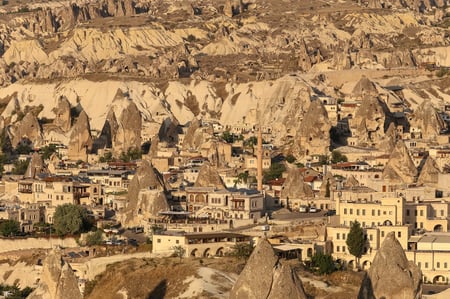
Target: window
column 343, row 236
column 357, row 212
column 343, row 248
column 421, row 212
column 337, row 236
column 426, row 265
column 371, row 237
column 379, row 212
column 337, row 248
column 399, row 234
column 351, row 211
column 445, row 265
column 442, row 213
column 177, row 241
column 438, row 265
column 373, row 212
column 345, row 211
column 419, row 264
column 382, row 234
column 363, row 212
column 415, row 212
column 158, row 240
column 407, row 212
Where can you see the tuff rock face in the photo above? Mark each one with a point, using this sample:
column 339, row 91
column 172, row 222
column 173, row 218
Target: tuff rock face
column 80, row 138
column 391, row 275
column 369, row 122
column 129, row 125
column 209, row 177
column 427, row 120
column 274, row 279
column 313, row 136
column 35, row 167
column 58, row 280
column 63, row 119
column 145, row 197
column 194, row 135
column 328, row 177
column 294, row 187
column 389, row 139
column 400, row 167
column 109, row 131
column 27, row 128
column 364, row 87
column 429, row 173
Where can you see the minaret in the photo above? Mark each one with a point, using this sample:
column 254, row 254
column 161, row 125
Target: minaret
column 259, row 154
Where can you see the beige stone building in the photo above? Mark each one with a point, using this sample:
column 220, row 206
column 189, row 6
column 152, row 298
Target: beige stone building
column 407, row 219
column 208, row 202
column 197, row 244
column 431, row 252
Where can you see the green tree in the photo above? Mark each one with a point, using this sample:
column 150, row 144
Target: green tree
column 94, row 238
column 71, row 219
column 242, row 177
column 251, row 141
column 242, row 250
column 179, row 251
column 130, row 155
column 275, row 172
column 323, row 263
column 107, row 157
column 290, row 159
column 355, row 241
column 9, row 228
column 337, row 156
column 5, row 142
column 323, row 159
column 228, row 137
column 20, row 167
column 47, row 151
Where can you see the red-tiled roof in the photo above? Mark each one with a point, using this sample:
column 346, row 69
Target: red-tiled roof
column 310, row 178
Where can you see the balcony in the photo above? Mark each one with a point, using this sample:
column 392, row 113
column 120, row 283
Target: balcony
column 81, row 194
column 237, row 208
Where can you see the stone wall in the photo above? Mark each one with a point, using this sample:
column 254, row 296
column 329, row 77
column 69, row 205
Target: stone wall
column 34, row 243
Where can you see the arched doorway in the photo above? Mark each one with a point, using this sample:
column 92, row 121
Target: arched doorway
column 206, row 252
column 387, row 223
column 438, row 228
column 219, row 251
column 439, row 279
column 351, row 264
column 194, row 252
column 309, row 252
column 366, row 265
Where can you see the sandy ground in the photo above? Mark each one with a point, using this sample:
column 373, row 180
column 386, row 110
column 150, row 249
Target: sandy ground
column 210, row 281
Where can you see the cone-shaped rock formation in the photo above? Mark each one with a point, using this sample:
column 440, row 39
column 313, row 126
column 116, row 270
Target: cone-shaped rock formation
column 391, row 275
column 264, row 276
